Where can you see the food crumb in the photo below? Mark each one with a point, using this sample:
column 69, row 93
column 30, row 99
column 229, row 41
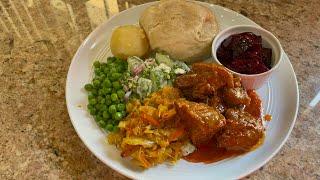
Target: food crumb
column 268, row 117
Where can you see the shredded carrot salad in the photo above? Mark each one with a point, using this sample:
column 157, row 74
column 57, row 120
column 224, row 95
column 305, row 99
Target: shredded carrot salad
column 152, row 133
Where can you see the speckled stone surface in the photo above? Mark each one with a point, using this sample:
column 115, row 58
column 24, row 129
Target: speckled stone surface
column 37, row 41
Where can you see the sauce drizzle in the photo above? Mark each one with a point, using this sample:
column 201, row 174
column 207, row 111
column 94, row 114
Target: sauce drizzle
column 210, row 153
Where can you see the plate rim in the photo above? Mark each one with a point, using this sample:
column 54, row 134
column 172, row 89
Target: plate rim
column 127, row 173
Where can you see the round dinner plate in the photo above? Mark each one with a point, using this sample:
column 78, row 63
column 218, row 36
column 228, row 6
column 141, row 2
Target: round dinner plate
column 280, row 99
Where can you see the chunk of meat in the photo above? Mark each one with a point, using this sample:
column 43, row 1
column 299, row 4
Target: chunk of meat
column 215, row 70
column 217, row 102
column 236, row 96
column 242, row 131
column 203, row 81
column 201, row 91
column 186, row 81
column 202, row 121
column 193, row 87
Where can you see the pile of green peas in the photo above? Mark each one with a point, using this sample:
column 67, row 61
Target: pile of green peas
column 106, row 94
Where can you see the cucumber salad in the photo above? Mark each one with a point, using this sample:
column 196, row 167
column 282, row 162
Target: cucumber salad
column 146, row 76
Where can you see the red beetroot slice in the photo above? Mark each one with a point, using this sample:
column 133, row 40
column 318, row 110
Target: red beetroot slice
column 224, row 55
column 248, row 66
column 239, row 65
column 227, row 42
column 243, row 42
column 244, row 53
column 240, row 47
column 266, row 57
column 255, row 49
column 258, row 67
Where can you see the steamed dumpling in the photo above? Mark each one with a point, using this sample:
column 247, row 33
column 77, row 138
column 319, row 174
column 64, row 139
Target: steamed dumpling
column 183, row 29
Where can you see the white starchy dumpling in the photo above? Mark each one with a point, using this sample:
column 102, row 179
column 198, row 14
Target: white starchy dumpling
column 182, row 29
column 129, row 41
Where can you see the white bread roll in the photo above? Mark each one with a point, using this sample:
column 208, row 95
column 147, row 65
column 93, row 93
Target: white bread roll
column 183, row 29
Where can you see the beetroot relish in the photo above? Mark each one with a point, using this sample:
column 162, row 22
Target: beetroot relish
column 243, row 53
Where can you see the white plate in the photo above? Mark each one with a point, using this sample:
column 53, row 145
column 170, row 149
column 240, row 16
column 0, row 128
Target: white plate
column 280, row 99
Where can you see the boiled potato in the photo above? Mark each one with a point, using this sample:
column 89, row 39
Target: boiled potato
column 128, row 41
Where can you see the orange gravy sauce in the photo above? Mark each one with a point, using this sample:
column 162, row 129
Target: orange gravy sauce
column 255, row 106
column 210, row 153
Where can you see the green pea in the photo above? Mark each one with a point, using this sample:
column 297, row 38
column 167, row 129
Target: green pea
column 121, row 107
column 107, row 83
column 112, row 70
column 124, row 63
column 110, row 60
column 96, row 64
column 88, row 87
column 102, row 101
column 98, row 106
column 116, row 85
column 111, row 77
column 90, row 96
column 98, row 118
column 106, row 70
column 110, row 66
column 99, row 98
column 96, row 83
column 101, row 123
column 118, row 60
column 90, row 106
column 106, row 115
column 120, row 68
column 114, row 97
column 126, row 74
column 102, row 76
column 108, row 90
column 117, row 116
column 93, row 111
column 112, row 109
column 124, row 113
column 94, row 92
column 119, row 63
column 109, row 127
column 104, row 107
column 101, row 92
column 121, row 93
column 100, row 113
column 97, row 71
column 114, row 91
column 108, row 96
column 108, row 100
column 103, row 65
column 116, row 76
column 93, row 101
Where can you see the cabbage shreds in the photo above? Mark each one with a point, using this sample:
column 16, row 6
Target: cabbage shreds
column 152, row 133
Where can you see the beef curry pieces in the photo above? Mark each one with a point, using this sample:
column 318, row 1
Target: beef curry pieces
column 217, row 110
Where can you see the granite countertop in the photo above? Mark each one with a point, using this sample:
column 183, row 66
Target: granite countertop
column 38, row 39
